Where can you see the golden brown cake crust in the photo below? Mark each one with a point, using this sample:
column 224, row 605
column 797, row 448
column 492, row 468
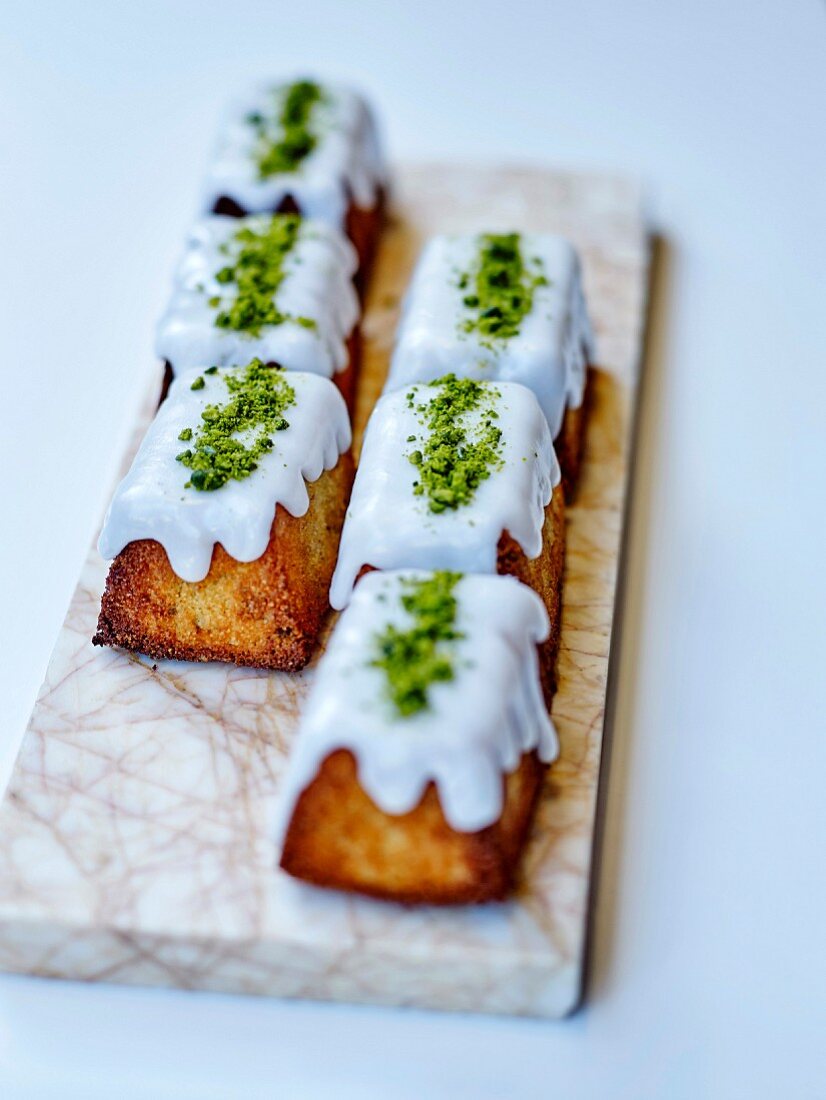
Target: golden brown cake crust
column 363, row 226
column 570, row 442
column 347, row 379
column 339, row 838
column 544, row 575
column 266, row 613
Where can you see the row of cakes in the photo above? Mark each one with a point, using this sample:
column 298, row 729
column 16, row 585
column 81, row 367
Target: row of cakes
column 224, row 533
column 419, row 756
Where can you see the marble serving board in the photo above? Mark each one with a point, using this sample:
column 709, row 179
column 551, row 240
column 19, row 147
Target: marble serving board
column 137, row 832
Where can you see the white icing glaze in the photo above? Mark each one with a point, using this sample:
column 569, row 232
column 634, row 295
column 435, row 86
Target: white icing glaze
column 477, row 726
column 317, row 284
column 389, row 527
column 345, row 164
column 549, row 354
column 151, row 502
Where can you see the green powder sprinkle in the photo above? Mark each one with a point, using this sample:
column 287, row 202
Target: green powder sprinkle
column 458, row 452
column 286, row 138
column 256, row 274
column 500, row 288
column 415, row 658
column 260, row 395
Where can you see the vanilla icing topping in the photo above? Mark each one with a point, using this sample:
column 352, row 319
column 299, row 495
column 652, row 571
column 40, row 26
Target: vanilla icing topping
column 476, row 726
column 317, row 286
column 346, row 163
column 152, row 502
column 388, row 526
column 549, row 354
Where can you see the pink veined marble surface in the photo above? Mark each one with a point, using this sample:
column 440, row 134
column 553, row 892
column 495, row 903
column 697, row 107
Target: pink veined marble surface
column 137, row 835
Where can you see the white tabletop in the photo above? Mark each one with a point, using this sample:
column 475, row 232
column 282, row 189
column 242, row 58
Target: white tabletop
column 708, row 970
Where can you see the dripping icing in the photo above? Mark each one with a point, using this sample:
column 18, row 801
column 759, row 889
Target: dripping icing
column 152, row 503
column 316, row 284
column 478, row 725
column 513, row 498
column 550, row 352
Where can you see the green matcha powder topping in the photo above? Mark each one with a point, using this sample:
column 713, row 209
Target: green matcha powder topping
column 255, row 275
column 419, row 656
column 499, row 288
column 286, row 138
column 459, row 452
column 259, row 396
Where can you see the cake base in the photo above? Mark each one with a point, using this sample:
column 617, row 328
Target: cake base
column 570, row 443
column 338, row 837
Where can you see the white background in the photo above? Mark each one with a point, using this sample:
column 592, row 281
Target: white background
column 709, row 971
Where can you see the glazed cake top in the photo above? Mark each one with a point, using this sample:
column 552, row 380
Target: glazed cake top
column 460, row 711
column 317, row 144
column 507, row 307
column 445, row 469
column 226, row 446
column 276, row 287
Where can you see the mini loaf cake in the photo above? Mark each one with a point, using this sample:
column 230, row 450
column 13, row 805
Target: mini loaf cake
column 423, row 743
column 302, row 147
column 458, row 474
column 274, row 287
column 225, row 530
column 505, row 307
